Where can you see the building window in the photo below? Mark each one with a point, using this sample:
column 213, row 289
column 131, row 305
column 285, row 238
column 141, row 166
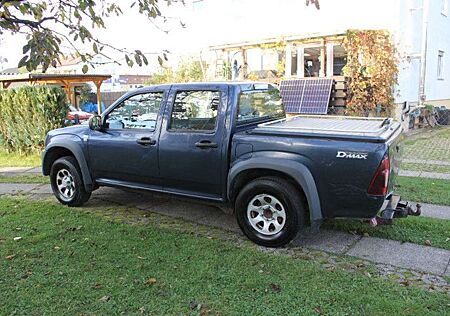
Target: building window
column 444, row 7
column 440, row 65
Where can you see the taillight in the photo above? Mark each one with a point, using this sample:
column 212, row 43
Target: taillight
column 379, row 183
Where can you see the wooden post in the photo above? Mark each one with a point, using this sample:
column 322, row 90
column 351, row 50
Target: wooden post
column 322, row 60
column 288, row 61
column 244, row 67
column 300, row 61
column 330, row 60
column 98, row 84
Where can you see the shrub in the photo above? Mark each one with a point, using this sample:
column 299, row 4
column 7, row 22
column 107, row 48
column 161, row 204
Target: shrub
column 27, row 114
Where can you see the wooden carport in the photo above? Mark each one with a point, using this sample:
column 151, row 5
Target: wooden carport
column 67, row 81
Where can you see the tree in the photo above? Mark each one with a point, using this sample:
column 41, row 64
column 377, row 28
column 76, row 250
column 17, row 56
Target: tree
column 49, row 24
column 187, row 71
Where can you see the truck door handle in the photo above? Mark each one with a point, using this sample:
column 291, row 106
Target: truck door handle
column 205, row 144
column 146, row 141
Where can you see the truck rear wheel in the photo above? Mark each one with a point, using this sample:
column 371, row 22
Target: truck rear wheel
column 67, row 183
column 270, row 211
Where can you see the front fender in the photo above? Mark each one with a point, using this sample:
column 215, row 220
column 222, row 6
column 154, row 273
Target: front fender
column 284, row 164
column 62, row 144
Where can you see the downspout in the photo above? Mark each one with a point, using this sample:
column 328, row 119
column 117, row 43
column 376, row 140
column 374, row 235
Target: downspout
column 423, row 52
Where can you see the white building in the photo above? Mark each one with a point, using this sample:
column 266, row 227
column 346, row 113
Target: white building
column 243, row 27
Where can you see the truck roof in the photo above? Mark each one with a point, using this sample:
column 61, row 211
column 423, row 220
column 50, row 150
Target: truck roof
column 243, row 85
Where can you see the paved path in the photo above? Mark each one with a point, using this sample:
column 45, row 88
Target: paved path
column 434, row 211
column 14, row 171
column 424, row 174
column 426, row 162
column 404, row 255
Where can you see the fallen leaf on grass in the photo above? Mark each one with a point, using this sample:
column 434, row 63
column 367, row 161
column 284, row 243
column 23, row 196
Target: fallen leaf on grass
column 10, row 257
column 105, row 298
column 318, row 310
column 194, row 305
column 405, row 283
column 275, row 287
column 17, row 238
column 139, row 257
column 97, row 286
column 56, row 248
column 427, row 242
column 151, row 281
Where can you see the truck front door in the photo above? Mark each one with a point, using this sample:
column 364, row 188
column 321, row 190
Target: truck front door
column 127, row 149
column 191, row 147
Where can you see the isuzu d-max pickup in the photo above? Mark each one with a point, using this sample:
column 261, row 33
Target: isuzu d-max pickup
column 231, row 143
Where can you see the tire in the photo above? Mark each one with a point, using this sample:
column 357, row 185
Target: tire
column 67, row 182
column 276, row 207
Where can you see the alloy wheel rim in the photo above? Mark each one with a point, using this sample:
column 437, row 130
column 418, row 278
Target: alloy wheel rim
column 65, row 184
column 266, row 214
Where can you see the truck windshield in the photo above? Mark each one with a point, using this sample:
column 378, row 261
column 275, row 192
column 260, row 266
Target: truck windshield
column 258, row 105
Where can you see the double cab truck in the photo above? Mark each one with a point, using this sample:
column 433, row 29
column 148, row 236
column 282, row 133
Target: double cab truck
column 231, row 143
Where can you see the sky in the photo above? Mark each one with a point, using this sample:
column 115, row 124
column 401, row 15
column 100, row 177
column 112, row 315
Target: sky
column 212, row 22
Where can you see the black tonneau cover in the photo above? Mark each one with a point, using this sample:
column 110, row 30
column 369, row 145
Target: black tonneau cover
column 361, row 128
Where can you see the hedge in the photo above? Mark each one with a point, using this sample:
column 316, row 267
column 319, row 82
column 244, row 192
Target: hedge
column 27, row 114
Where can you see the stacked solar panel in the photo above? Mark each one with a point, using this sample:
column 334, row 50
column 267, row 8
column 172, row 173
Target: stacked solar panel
column 306, row 96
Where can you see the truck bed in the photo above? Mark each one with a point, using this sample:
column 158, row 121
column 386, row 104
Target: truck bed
column 375, row 129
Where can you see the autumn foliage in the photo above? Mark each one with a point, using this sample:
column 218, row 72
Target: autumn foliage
column 371, row 72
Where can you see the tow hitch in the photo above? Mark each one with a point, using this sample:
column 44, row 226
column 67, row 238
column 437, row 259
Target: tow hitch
column 395, row 209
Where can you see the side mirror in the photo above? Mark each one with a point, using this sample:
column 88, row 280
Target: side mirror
column 95, row 123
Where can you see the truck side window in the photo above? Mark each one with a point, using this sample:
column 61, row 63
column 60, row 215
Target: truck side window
column 139, row 111
column 195, row 111
column 257, row 105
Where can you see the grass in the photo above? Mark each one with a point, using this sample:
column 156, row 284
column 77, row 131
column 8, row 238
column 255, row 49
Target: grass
column 418, row 230
column 31, row 178
column 432, row 191
column 18, row 160
column 72, row 262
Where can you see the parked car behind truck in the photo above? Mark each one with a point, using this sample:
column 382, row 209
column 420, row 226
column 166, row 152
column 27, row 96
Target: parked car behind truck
column 231, row 143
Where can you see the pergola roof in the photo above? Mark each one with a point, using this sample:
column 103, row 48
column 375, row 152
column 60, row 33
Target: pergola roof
column 67, row 81
column 63, row 79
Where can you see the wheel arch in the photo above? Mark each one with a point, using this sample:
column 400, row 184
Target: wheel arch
column 294, row 171
column 61, row 148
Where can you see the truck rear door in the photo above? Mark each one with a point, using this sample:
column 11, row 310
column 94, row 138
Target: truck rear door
column 191, row 146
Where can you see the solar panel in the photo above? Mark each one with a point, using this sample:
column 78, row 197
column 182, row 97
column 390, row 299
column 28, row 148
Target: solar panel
column 306, row 96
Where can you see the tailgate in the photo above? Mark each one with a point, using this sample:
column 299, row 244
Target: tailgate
column 395, row 151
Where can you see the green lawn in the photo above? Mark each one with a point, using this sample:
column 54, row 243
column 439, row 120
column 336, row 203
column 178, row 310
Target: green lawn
column 432, row 191
column 17, row 160
column 31, row 178
column 73, row 262
column 418, row 230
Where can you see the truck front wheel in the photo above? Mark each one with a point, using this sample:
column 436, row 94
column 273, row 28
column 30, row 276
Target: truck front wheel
column 270, row 211
column 67, row 183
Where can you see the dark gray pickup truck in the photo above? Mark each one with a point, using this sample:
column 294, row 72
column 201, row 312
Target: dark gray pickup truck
column 231, row 143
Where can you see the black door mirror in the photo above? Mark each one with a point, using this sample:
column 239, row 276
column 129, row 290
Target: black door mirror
column 95, row 123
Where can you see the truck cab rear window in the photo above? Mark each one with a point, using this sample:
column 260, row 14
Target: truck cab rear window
column 195, row 111
column 255, row 105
